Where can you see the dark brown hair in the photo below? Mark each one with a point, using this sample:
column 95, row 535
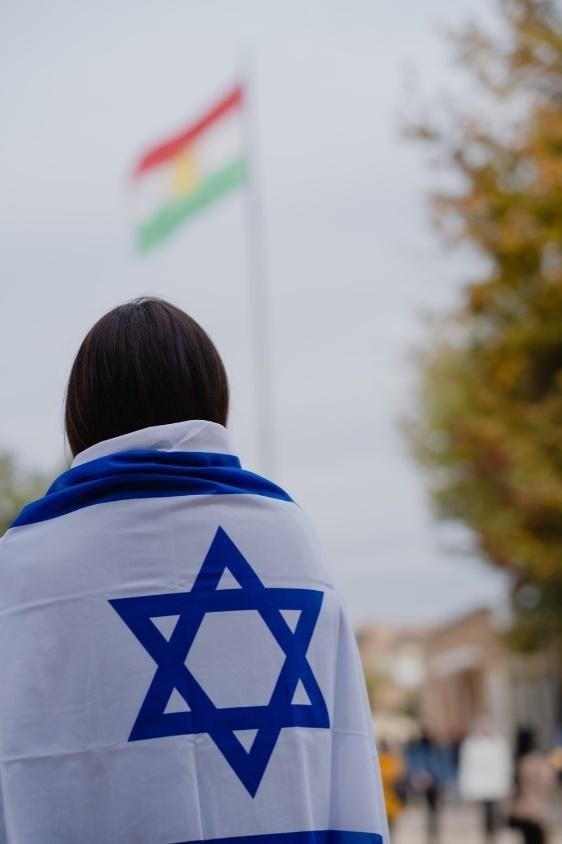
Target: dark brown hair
column 144, row 363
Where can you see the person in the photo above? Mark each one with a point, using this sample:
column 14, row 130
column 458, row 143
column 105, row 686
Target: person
column 392, row 774
column 535, row 781
column 175, row 663
column 556, row 754
column 429, row 770
column 486, row 772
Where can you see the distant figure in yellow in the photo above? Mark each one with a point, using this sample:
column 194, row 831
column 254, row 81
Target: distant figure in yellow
column 392, row 774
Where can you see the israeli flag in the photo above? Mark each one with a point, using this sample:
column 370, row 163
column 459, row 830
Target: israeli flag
column 175, row 664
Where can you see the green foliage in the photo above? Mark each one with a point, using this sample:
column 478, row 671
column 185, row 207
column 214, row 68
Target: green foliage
column 16, row 489
column 489, row 425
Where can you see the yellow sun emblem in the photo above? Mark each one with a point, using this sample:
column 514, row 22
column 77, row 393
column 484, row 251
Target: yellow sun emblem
column 185, row 173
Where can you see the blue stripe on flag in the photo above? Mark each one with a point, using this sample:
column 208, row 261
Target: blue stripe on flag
column 326, row 836
column 146, row 473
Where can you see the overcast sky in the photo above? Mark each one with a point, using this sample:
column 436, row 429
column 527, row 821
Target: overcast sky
column 351, row 263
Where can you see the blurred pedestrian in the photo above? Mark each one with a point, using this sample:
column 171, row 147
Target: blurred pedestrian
column 535, row 781
column 428, row 772
column 556, row 755
column 455, row 744
column 392, row 769
column 486, row 772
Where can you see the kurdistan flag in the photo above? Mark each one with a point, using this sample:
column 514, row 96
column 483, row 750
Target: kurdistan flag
column 186, row 172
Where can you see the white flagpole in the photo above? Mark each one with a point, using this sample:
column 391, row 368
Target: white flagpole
column 258, row 294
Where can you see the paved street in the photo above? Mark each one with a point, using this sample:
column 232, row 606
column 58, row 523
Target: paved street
column 459, row 825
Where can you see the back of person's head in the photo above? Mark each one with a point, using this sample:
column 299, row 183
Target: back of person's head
column 144, row 363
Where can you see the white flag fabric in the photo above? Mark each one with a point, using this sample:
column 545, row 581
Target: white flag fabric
column 175, row 664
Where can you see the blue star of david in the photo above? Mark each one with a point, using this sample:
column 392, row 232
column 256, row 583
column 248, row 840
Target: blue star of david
column 173, row 674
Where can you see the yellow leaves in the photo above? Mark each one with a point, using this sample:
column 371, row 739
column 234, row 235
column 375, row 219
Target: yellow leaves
column 511, row 199
column 551, row 262
column 509, row 372
column 495, row 459
column 479, row 297
column 489, row 422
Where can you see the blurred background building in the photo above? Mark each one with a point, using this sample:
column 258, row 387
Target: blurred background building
column 449, row 676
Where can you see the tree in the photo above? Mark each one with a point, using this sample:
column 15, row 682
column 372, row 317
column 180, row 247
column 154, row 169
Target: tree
column 489, row 422
column 16, row 489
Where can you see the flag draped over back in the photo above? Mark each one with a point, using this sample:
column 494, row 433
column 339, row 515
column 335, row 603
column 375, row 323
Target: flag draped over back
column 186, row 172
column 176, row 666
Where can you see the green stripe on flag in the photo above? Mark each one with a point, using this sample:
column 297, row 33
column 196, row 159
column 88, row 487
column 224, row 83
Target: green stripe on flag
column 169, row 217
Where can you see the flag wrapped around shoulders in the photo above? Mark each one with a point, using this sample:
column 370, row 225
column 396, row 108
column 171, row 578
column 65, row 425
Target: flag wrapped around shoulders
column 176, row 666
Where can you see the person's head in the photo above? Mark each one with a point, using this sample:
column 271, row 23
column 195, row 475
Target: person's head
column 144, row 363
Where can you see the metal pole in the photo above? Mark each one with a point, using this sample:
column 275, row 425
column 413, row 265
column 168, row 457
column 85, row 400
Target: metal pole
column 258, row 295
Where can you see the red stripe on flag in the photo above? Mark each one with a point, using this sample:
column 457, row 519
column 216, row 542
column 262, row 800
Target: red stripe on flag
column 168, row 149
